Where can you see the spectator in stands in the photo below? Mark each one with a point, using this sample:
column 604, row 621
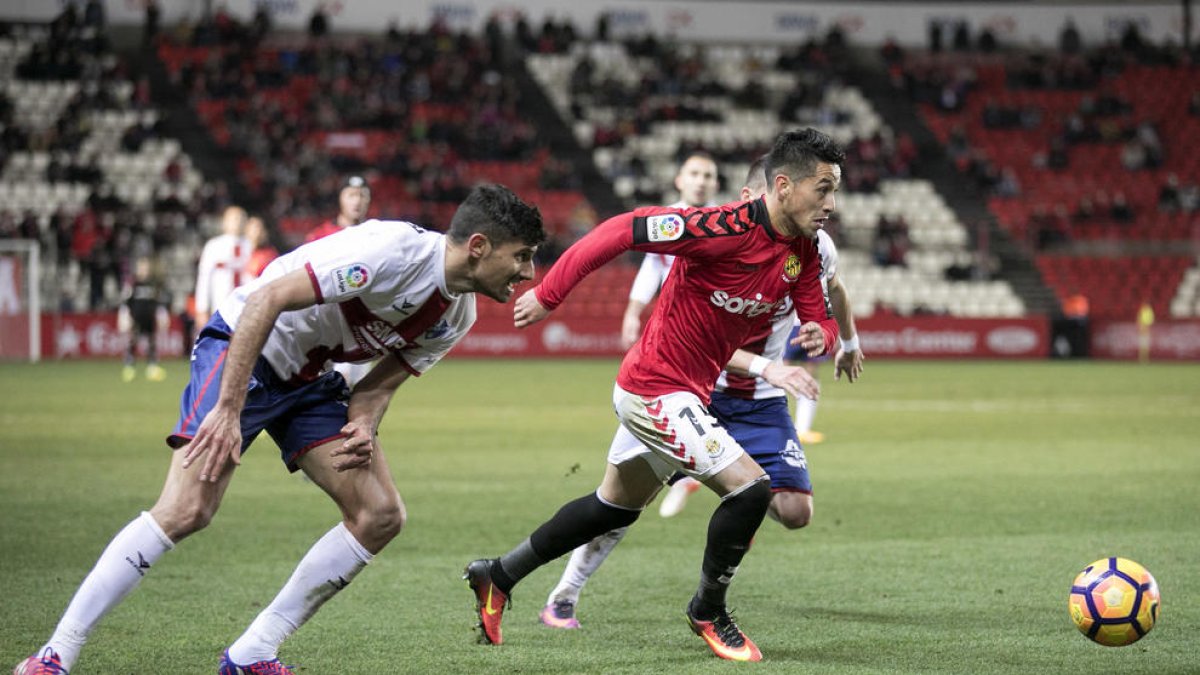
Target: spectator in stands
column 1120, row 210
column 318, row 22
column 1085, row 211
column 962, row 36
column 1069, row 41
column 891, row 243
column 1168, row 196
column 1194, row 104
column 1009, row 185
column 93, row 15
column 153, row 14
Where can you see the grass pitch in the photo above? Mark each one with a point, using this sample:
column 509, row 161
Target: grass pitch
column 955, row 502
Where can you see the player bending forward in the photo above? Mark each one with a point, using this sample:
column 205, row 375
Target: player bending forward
column 386, row 289
column 750, row 400
column 736, row 266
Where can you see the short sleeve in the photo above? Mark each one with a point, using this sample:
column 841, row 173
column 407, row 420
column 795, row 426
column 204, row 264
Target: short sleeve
column 348, row 264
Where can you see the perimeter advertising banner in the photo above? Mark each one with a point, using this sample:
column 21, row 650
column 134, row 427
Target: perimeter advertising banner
column 1168, row 340
column 92, row 335
column 881, row 337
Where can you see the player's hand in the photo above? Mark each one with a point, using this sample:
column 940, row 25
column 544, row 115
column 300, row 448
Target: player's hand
column 850, row 362
column 218, row 440
column 795, row 380
column 528, row 310
column 631, row 330
column 810, row 338
column 357, row 448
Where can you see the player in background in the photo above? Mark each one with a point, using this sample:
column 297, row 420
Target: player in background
column 696, row 182
column 262, row 252
column 354, row 200
column 143, row 312
column 387, row 289
column 738, row 264
column 806, row 408
column 750, row 399
column 222, row 263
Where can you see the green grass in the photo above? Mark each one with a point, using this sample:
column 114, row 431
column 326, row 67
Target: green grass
column 955, row 502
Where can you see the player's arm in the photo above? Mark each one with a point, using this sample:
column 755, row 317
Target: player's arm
column 605, row 242
column 795, row 380
column 849, row 358
column 220, row 434
column 368, row 403
column 818, row 328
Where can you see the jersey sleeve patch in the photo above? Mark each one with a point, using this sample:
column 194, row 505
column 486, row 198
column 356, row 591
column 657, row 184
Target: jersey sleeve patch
column 351, row 278
column 665, row 227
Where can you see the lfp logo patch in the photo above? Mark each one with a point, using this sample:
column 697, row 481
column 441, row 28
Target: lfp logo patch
column 791, row 268
column 351, row 277
column 667, row 227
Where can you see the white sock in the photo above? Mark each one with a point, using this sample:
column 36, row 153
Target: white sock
column 117, row 572
column 806, row 409
column 584, row 562
column 327, row 568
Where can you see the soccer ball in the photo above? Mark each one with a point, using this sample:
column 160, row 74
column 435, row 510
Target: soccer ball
column 1114, row 602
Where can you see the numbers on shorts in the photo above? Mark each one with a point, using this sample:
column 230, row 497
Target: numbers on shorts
column 691, row 416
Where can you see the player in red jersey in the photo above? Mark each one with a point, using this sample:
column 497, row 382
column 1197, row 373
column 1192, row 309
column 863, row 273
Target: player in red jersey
column 737, row 264
column 354, row 199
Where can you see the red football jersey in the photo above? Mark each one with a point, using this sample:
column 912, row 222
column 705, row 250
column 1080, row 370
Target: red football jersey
column 323, row 230
column 732, row 272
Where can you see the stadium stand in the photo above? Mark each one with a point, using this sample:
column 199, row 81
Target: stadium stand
column 640, row 105
column 86, row 171
column 1082, row 156
column 300, row 112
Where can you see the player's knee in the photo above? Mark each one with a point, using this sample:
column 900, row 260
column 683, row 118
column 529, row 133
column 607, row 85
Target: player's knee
column 793, row 513
column 384, row 518
column 180, row 519
column 756, row 492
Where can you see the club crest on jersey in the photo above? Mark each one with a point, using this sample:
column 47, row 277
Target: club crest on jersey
column 667, row 227
column 713, row 446
column 791, row 268
column 351, row 277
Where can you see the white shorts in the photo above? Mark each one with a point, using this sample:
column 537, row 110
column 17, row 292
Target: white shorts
column 673, row 432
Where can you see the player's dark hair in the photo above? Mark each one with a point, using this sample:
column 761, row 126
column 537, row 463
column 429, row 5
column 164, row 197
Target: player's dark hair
column 496, row 212
column 756, row 175
column 696, row 153
column 797, row 153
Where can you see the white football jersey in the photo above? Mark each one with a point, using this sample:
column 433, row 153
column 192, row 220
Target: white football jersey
column 381, row 289
column 782, row 324
column 222, row 269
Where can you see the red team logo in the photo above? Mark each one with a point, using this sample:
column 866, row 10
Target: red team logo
column 791, row 268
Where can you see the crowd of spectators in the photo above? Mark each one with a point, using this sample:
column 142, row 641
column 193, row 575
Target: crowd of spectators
column 435, row 97
column 91, row 245
column 1025, row 90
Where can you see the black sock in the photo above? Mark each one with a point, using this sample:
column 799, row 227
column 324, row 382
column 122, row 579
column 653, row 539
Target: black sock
column 576, row 523
column 730, row 530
